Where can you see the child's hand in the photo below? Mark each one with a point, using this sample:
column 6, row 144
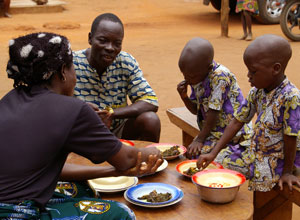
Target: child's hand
column 204, row 160
column 194, row 149
column 182, row 89
column 290, row 180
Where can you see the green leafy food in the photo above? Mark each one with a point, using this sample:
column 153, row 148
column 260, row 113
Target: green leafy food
column 155, row 197
column 171, row 151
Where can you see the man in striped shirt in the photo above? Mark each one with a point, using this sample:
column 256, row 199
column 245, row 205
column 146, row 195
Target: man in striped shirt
column 106, row 76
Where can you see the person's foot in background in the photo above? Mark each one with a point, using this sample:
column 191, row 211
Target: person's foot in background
column 249, row 37
column 7, row 15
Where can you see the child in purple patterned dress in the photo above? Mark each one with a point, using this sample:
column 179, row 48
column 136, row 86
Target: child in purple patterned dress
column 215, row 97
column 274, row 151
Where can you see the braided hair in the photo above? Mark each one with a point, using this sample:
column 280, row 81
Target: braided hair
column 36, row 57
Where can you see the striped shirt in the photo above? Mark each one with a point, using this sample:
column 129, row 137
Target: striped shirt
column 110, row 89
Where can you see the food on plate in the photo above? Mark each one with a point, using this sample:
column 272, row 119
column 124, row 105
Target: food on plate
column 191, row 171
column 155, row 197
column 189, row 167
column 171, row 151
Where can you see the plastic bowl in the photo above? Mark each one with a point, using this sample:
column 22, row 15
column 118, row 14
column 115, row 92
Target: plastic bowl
column 218, row 185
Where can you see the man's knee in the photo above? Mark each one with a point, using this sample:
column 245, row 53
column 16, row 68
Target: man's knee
column 148, row 119
column 149, row 125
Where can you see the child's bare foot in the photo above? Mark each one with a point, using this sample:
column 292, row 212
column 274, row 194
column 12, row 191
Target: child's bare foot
column 244, row 37
column 7, row 15
column 249, row 37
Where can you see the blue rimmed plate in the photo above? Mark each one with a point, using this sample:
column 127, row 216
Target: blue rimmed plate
column 132, row 194
column 153, row 205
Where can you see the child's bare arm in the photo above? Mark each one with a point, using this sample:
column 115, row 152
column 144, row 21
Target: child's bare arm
column 194, row 149
column 230, row 131
column 182, row 90
column 290, row 143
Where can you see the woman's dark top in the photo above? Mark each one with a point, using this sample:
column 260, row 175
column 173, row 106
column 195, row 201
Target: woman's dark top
column 37, row 131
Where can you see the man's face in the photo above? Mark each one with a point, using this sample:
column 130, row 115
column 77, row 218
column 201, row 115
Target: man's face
column 106, row 43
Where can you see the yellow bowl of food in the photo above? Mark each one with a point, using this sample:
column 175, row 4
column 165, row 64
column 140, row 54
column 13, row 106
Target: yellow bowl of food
column 218, row 185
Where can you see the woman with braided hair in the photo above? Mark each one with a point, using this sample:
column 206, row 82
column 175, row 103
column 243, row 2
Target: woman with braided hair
column 41, row 124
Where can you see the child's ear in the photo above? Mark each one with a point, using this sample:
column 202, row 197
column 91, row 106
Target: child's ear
column 277, row 68
column 210, row 67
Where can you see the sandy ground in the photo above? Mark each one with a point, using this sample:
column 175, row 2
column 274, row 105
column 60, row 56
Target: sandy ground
column 155, row 33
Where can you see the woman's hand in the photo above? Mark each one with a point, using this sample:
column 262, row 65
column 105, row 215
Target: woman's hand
column 143, row 168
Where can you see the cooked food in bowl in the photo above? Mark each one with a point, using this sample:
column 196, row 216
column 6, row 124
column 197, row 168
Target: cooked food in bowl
column 218, row 180
column 191, row 171
column 155, row 197
column 171, row 152
column 189, row 167
column 218, row 185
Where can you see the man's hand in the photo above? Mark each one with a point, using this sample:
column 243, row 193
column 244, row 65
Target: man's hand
column 182, row 89
column 105, row 115
column 143, row 168
column 204, row 160
column 194, row 149
column 290, row 180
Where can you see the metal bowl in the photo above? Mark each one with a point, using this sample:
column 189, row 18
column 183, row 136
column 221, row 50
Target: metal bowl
column 218, row 185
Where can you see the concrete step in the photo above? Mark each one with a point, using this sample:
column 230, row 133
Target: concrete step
column 29, row 6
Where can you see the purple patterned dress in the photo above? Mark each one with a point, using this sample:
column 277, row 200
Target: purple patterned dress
column 248, row 5
column 278, row 114
column 220, row 91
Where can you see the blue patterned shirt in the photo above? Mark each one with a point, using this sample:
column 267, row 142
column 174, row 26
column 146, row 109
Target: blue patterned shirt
column 110, row 89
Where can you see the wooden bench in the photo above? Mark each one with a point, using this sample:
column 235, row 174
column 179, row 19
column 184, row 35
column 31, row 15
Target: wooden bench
column 275, row 204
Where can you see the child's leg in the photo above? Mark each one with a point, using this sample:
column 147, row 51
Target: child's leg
column 6, row 5
column 235, row 158
column 243, row 20
column 248, row 22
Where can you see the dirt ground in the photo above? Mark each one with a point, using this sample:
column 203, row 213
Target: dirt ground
column 155, row 33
